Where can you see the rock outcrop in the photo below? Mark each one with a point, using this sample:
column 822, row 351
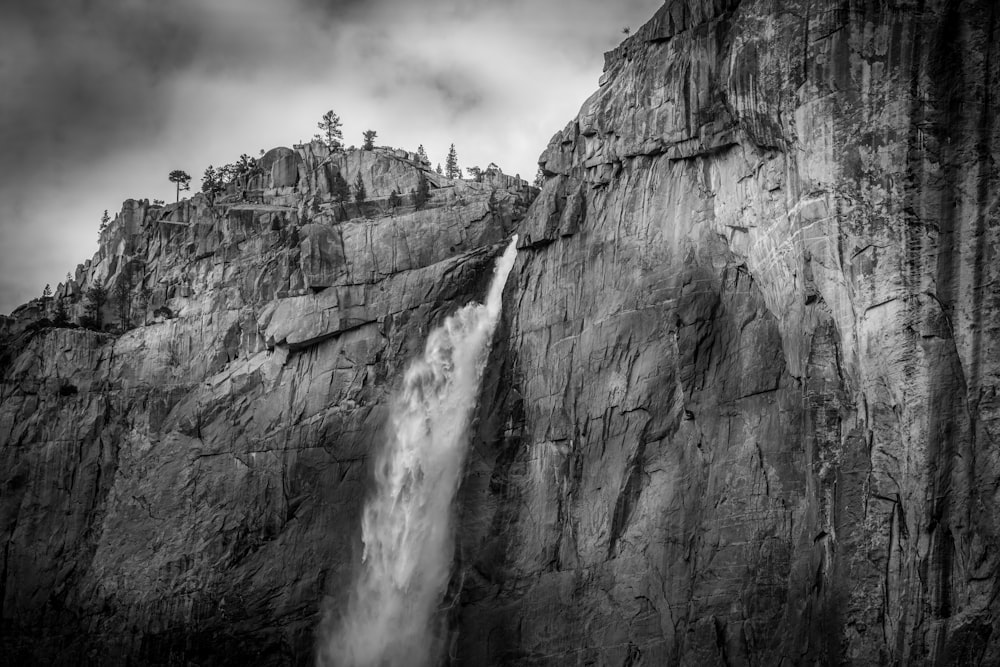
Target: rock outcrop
column 742, row 407
column 186, row 491
column 748, row 381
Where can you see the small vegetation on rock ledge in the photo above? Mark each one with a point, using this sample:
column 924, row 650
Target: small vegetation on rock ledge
column 97, row 296
column 359, row 189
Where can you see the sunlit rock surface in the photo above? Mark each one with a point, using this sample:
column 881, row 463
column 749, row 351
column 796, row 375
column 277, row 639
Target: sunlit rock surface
column 745, row 410
column 742, row 406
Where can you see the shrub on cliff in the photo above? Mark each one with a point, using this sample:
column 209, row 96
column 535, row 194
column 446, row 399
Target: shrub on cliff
column 59, row 315
column 369, row 143
column 359, row 189
column 97, row 296
column 122, row 297
column 339, row 188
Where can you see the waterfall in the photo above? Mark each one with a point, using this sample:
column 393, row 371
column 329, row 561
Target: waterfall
column 392, row 616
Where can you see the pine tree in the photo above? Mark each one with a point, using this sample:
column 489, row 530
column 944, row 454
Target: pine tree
column 359, row 189
column 339, row 188
column 451, row 169
column 97, row 296
column 369, row 140
column 332, row 135
column 123, row 296
column 181, row 179
column 422, row 154
column 123, row 304
column 211, row 180
column 475, row 173
column 105, row 219
column 47, row 292
column 439, row 170
column 59, row 315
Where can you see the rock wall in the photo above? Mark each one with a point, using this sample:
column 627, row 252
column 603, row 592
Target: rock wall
column 187, row 491
column 742, row 407
column 748, row 380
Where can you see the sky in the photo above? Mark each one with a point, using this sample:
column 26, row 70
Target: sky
column 101, row 99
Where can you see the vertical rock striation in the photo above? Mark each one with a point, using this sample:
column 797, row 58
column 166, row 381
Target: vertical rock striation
column 749, row 408
column 742, row 408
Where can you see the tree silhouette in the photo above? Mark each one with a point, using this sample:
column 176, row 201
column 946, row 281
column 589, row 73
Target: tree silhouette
column 181, row 179
column 369, row 140
column 451, row 169
column 422, row 154
column 211, row 181
column 332, row 136
column 47, row 292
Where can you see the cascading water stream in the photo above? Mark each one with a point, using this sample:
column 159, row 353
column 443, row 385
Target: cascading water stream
column 392, row 616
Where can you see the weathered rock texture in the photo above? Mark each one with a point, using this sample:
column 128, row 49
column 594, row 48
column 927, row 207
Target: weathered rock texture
column 187, row 491
column 742, row 408
column 745, row 409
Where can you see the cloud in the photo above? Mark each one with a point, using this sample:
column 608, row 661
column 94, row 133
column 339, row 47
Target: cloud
column 101, row 98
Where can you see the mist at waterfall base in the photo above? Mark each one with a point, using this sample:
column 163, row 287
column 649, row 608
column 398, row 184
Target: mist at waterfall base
column 392, row 617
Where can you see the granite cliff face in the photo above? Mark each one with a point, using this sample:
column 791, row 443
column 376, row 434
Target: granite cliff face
column 749, row 376
column 742, row 407
column 187, row 491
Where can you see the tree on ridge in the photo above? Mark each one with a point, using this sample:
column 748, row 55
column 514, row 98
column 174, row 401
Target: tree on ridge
column 451, row 169
column 332, row 136
column 181, row 179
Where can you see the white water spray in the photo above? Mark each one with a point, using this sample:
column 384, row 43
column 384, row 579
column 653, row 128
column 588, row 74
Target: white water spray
column 392, row 617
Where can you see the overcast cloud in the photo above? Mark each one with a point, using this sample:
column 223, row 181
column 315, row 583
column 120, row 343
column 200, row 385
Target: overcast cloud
column 102, row 98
